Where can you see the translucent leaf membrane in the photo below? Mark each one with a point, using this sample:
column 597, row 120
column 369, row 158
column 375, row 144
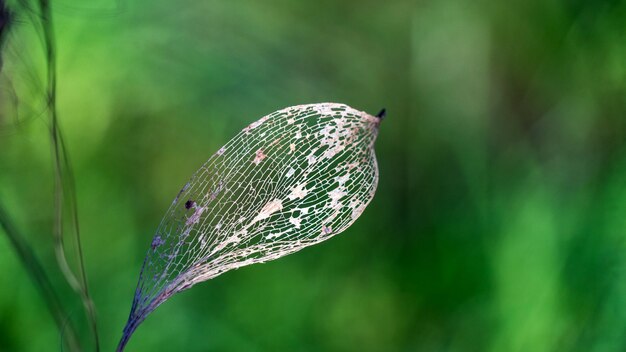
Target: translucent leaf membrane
column 292, row 179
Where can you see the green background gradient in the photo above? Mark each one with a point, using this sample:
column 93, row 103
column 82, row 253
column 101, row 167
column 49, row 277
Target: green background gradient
column 500, row 218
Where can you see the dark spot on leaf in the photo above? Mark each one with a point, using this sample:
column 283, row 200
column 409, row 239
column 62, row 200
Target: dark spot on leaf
column 190, row 203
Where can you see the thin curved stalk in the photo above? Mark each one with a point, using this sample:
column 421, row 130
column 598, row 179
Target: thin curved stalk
column 63, row 172
column 41, row 280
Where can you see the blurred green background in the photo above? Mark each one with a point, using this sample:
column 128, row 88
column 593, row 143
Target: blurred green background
column 499, row 223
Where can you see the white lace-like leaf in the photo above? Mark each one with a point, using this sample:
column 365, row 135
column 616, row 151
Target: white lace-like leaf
column 292, row 179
